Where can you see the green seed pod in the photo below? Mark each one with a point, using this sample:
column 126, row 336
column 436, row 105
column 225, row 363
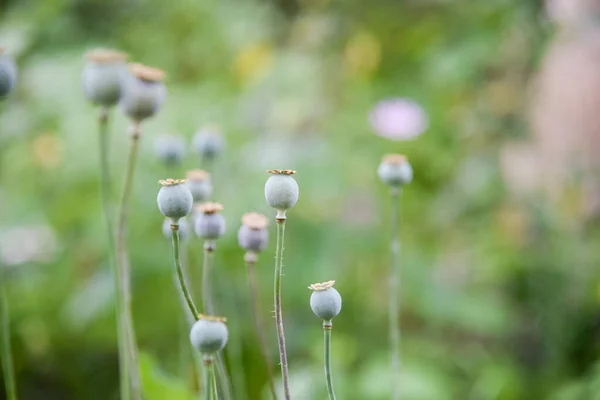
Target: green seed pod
column 143, row 92
column 8, row 73
column 325, row 301
column 209, row 224
column 281, row 190
column 184, row 229
column 253, row 235
column 102, row 76
column 208, row 142
column 174, row 199
column 200, row 185
column 170, row 149
column 209, row 334
column 395, row 170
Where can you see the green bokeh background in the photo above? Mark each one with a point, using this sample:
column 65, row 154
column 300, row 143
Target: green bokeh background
column 499, row 294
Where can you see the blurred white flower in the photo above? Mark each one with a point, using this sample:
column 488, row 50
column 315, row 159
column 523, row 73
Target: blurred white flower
column 23, row 244
column 398, row 119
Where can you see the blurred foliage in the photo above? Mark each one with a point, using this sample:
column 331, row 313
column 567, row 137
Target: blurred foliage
column 500, row 293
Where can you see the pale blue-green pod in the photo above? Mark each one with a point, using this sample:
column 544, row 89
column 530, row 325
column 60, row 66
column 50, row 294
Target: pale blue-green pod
column 325, row 300
column 102, row 76
column 208, row 142
column 209, row 224
column 253, row 235
column 170, row 149
column 184, row 229
column 143, row 92
column 8, row 73
column 200, row 185
column 281, row 190
column 174, row 199
column 209, row 334
column 395, row 170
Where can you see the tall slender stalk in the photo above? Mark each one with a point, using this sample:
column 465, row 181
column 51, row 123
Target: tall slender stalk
column 105, row 194
column 8, row 372
column 209, row 382
column 394, row 296
column 123, row 265
column 182, row 283
column 278, row 313
column 327, row 339
column 258, row 325
column 209, row 247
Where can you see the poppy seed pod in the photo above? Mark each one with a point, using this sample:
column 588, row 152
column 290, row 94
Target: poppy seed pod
column 200, row 185
column 208, row 142
column 174, row 199
column 170, row 149
column 209, row 223
column 184, row 229
column 102, row 76
column 395, row 170
column 8, row 73
column 281, row 190
column 209, row 334
column 143, row 92
column 325, row 301
column 253, row 234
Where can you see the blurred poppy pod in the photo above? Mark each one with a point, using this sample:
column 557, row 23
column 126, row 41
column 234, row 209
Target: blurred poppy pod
column 398, row 119
column 174, row 199
column 253, row 235
column 209, row 223
column 170, row 149
column 200, row 185
column 395, row 170
column 208, row 142
column 209, row 334
column 143, row 92
column 102, row 76
column 8, row 73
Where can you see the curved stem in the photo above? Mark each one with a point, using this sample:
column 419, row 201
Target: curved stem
column 278, row 314
column 8, row 372
column 327, row 338
column 105, row 194
column 394, row 296
column 182, row 284
column 209, row 247
column 122, row 264
column 258, row 326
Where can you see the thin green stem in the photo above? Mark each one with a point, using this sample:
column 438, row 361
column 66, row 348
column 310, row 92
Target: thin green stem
column 258, row 326
column 182, row 283
column 278, row 313
column 123, row 266
column 209, row 247
column 209, row 381
column 8, row 372
column 327, row 338
column 394, row 297
column 105, row 194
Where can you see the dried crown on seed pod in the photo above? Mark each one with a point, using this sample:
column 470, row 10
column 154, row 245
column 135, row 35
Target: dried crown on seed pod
column 174, row 199
column 325, row 300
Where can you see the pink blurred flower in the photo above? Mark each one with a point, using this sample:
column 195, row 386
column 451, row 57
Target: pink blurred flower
column 398, row 119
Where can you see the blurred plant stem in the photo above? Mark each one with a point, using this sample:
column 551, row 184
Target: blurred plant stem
column 122, row 263
column 105, row 193
column 260, row 333
column 209, row 248
column 8, row 372
column 209, row 381
column 327, row 326
column 394, row 296
column 278, row 314
column 180, row 275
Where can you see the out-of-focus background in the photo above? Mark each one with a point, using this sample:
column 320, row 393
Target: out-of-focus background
column 499, row 229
